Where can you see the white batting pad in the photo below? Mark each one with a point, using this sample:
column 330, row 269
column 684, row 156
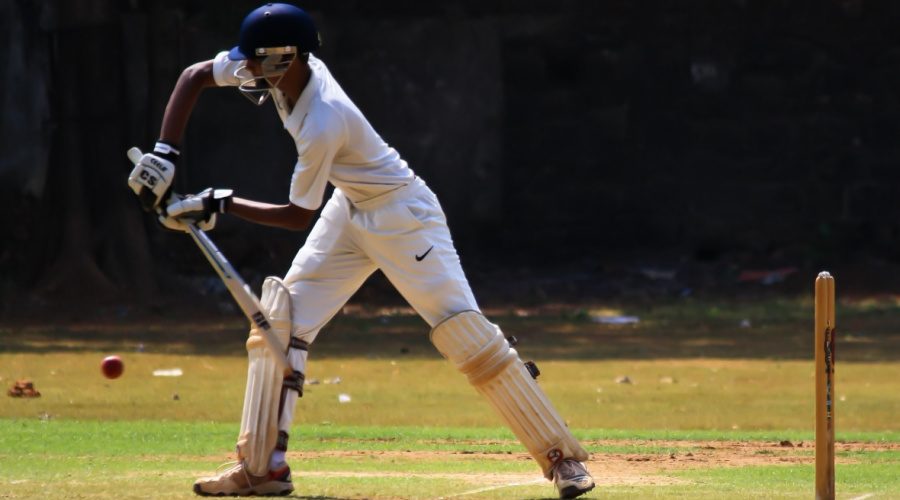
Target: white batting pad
column 479, row 350
column 259, row 422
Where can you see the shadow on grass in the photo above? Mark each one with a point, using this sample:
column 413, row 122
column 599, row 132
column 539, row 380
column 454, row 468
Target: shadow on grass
column 771, row 330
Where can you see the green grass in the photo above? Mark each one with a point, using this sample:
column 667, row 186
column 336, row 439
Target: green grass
column 693, row 394
column 794, row 482
column 124, row 438
column 144, row 459
column 415, row 429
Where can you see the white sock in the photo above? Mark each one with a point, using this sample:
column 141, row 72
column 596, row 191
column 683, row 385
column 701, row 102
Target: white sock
column 277, row 458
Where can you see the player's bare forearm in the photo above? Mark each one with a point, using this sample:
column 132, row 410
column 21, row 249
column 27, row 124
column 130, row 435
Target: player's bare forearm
column 192, row 81
column 287, row 216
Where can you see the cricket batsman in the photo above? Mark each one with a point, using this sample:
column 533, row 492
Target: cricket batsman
column 380, row 216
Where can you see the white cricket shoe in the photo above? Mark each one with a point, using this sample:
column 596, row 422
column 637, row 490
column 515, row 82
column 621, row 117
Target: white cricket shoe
column 571, row 478
column 237, row 482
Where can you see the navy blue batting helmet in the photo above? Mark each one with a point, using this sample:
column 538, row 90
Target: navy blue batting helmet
column 275, row 25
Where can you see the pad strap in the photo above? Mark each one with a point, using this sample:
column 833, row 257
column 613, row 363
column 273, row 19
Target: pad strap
column 294, row 381
column 282, row 443
column 300, row 344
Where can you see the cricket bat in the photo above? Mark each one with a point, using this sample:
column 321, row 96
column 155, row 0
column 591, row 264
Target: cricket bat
column 243, row 295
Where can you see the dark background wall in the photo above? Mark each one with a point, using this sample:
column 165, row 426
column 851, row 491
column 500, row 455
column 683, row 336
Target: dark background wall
column 573, row 138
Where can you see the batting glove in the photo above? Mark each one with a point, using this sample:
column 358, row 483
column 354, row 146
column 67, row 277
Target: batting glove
column 201, row 206
column 153, row 174
column 182, row 224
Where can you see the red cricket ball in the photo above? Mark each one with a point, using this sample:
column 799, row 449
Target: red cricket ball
column 112, row 367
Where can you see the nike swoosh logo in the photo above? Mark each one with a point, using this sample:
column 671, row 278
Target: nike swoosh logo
column 419, row 258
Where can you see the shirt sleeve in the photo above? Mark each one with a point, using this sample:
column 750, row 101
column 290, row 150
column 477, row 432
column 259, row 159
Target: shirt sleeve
column 316, row 148
column 223, row 70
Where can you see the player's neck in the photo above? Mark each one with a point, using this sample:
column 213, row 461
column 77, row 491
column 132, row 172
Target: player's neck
column 294, row 81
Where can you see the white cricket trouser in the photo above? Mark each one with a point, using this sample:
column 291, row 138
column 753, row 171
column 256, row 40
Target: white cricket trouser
column 404, row 233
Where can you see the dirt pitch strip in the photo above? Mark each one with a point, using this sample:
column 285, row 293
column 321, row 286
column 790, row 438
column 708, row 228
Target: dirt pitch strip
column 608, row 469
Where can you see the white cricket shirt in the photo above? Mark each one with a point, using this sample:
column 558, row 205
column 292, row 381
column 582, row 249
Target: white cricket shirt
column 335, row 142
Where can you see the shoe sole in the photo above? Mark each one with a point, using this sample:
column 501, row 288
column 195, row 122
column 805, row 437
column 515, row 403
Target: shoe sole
column 570, row 492
column 250, row 493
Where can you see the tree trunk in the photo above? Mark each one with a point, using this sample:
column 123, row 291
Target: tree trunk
column 103, row 250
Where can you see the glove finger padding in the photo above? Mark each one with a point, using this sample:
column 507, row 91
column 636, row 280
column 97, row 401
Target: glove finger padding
column 182, row 224
column 189, row 207
column 201, row 205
